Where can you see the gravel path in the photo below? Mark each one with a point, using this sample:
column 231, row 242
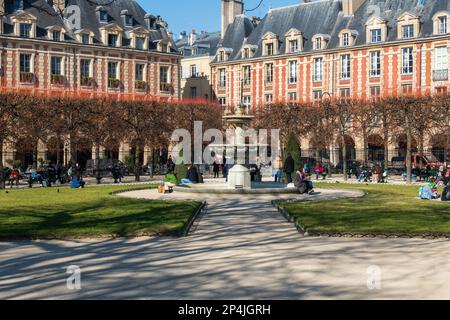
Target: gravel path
column 242, row 248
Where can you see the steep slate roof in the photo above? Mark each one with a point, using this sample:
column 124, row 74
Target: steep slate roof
column 48, row 17
column 208, row 39
column 326, row 17
column 235, row 35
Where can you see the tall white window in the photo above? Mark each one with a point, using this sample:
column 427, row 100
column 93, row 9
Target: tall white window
column 375, row 63
column 408, row 31
column 139, row 72
column 346, row 39
column 193, row 70
column 222, row 78
column 56, row 65
column 293, row 46
column 375, row 35
column 345, row 66
column 247, row 71
column 247, row 102
column 269, row 49
column 25, row 62
column 407, row 61
column 443, row 25
column 318, row 43
column 318, row 69
column 441, row 58
column 269, row 73
column 112, row 70
column 293, row 70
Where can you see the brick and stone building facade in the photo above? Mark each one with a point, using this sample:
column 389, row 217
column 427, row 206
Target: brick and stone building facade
column 76, row 46
column 337, row 48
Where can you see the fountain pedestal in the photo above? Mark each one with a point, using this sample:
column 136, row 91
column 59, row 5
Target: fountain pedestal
column 239, row 178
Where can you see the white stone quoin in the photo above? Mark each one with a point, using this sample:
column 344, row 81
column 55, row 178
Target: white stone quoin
column 239, row 178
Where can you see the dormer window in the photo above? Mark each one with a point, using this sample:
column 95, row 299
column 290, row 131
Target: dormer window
column 56, row 35
column 25, row 30
column 408, row 31
column 318, row 44
column 440, row 22
column 85, row 38
column 443, row 25
column 103, row 15
column 112, row 40
column 140, row 41
column 376, row 30
column 320, row 41
column 375, row 35
column 346, row 39
column 127, row 19
column 294, row 41
column 270, row 44
column 246, row 53
column 293, row 46
column 111, row 35
column 223, row 54
column 408, row 25
column 17, row 5
column 269, row 49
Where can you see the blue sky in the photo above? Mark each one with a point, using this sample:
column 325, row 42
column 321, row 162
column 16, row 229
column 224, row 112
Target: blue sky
column 201, row 14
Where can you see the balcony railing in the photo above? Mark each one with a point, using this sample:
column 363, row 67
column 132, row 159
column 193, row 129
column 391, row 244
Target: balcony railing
column 440, row 75
column 58, row 79
column 87, row 81
column 26, row 77
column 165, row 87
column 140, row 85
column 113, row 83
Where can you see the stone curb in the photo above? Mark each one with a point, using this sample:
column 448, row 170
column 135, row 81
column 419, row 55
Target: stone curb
column 303, row 232
column 195, row 215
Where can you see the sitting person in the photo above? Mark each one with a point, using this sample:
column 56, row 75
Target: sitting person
column 303, row 183
column 428, row 192
column 192, row 176
column 170, row 180
column 77, row 183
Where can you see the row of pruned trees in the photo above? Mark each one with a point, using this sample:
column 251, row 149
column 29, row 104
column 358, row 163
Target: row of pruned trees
column 99, row 121
column 333, row 120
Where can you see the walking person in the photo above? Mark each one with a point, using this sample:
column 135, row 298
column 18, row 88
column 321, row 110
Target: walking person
column 289, row 167
column 216, row 169
column 14, row 177
column 277, row 166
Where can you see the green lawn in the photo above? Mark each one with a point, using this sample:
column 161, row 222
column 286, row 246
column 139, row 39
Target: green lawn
column 386, row 209
column 89, row 212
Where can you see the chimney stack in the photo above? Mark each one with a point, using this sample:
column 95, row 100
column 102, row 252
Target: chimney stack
column 349, row 7
column 230, row 9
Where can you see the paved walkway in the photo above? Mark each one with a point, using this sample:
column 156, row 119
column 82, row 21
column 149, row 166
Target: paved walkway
column 241, row 249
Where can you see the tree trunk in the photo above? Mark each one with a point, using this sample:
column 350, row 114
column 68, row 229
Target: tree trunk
column 2, row 177
column 386, row 147
column 97, row 162
column 421, row 147
column 58, row 150
column 152, row 163
column 365, row 147
column 408, row 155
column 137, row 166
column 344, row 158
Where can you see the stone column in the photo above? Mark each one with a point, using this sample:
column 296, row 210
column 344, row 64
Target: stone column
column 147, row 154
column 41, row 151
column 124, row 151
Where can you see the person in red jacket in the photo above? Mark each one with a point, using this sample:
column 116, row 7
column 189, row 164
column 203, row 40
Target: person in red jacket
column 14, row 177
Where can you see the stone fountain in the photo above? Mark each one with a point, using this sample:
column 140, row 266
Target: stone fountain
column 239, row 175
